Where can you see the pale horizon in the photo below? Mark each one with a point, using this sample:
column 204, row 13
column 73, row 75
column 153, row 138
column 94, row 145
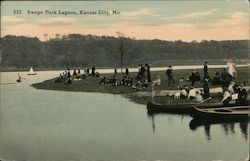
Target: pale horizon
column 165, row 20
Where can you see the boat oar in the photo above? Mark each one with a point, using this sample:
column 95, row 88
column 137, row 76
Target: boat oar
column 209, row 98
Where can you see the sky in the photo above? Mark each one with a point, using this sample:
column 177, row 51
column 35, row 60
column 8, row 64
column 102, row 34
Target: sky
column 166, row 20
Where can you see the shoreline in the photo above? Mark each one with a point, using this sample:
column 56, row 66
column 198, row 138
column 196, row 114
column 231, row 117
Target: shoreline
column 91, row 84
column 110, row 70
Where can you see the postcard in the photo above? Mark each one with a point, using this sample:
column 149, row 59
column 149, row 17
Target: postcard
column 124, row 80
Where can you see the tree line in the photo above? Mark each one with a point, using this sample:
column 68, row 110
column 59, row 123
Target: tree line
column 75, row 50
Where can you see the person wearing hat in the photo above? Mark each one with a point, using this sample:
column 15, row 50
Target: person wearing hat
column 170, row 75
column 205, row 70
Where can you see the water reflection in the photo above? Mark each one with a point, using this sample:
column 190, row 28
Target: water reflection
column 227, row 126
column 153, row 123
column 152, row 115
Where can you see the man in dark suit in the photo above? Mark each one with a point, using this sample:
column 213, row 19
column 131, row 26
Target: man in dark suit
column 170, row 75
column 205, row 70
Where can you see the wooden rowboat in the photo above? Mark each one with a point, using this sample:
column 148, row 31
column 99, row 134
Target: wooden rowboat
column 181, row 108
column 221, row 113
column 168, row 108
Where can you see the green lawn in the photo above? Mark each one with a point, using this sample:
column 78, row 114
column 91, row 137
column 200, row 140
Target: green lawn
column 91, row 84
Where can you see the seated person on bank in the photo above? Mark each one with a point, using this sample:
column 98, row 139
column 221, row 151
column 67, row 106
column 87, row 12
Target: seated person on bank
column 239, row 96
column 130, row 81
column 103, row 80
column 192, row 93
column 183, row 93
column 198, row 97
column 157, row 82
column 145, row 83
column 216, row 79
column 137, row 85
column 242, row 96
column 68, row 81
column 58, row 80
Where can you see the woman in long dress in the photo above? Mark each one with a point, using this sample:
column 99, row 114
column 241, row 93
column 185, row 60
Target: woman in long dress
column 231, row 69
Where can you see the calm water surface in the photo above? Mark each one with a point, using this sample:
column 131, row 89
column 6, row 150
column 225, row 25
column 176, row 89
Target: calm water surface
column 39, row 125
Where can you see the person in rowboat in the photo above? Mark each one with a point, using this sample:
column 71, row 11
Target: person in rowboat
column 19, row 78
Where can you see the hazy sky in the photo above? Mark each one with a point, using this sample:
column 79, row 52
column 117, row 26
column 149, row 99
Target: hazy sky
column 167, row 20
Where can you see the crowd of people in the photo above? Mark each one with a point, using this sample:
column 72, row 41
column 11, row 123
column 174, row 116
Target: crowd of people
column 186, row 86
column 66, row 77
column 225, row 79
column 140, row 81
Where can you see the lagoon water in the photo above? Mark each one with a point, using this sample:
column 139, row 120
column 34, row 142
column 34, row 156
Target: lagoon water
column 41, row 125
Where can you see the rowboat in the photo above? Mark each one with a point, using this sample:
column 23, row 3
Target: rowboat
column 169, row 108
column 181, row 108
column 235, row 112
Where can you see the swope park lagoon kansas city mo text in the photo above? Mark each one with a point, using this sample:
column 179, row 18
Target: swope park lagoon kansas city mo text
column 160, row 81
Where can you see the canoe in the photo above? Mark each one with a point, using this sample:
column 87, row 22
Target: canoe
column 182, row 108
column 221, row 113
column 168, row 108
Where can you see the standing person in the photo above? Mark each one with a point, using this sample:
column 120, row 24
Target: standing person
column 193, row 77
column 79, row 71
column 205, row 70
column 84, row 71
column 143, row 69
column 74, row 72
column 93, row 70
column 148, row 73
column 115, row 71
column 232, row 70
column 87, row 71
column 139, row 72
column 68, row 73
column 206, row 88
column 226, row 78
column 170, row 75
column 127, row 72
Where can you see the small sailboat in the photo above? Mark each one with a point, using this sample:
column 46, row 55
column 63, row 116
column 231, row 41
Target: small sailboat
column 32, row 72
column 19, row 78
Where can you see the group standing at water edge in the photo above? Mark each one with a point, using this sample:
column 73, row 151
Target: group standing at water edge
column 143, row 80
column 231, row 91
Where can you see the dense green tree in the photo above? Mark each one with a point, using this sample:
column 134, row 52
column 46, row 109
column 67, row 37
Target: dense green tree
column 75, row 50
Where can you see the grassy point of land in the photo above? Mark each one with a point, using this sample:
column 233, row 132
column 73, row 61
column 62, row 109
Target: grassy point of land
column 91, row 84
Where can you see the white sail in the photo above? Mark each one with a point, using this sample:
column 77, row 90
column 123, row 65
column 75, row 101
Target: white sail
column 31, row 72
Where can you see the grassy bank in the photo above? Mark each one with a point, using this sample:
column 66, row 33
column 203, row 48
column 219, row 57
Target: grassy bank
column 91, row 84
